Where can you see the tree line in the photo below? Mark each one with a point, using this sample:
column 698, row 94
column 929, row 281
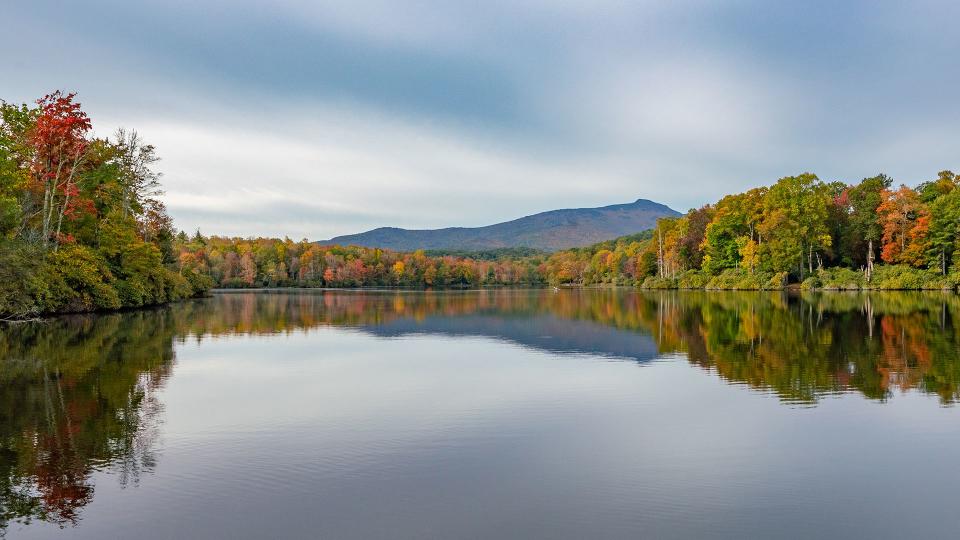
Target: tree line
column 271, row 262
column 800, row 230
column 81, row 224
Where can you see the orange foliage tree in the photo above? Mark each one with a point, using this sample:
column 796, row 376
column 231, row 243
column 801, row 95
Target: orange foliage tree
column 905, row 221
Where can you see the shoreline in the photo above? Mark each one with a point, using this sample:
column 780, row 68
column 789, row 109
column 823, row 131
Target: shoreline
column 793, row 288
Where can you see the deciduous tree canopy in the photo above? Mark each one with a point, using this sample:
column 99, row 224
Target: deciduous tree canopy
column 800, row 229
column 81, row 227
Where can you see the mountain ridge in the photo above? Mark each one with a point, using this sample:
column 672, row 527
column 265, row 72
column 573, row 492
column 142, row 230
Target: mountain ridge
column 550, row 230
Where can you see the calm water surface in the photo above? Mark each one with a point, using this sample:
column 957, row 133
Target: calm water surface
column 487, row 414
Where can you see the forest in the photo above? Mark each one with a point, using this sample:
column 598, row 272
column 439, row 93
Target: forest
column 270, row 262
column 829, row 235
column 800, row 232
column 82, row 227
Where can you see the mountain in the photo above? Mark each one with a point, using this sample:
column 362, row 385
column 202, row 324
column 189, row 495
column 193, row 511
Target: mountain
column 553, row 230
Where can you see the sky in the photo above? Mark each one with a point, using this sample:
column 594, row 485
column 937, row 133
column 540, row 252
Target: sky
column 311, row 119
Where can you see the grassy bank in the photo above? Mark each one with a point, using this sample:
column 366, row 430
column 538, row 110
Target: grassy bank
column 885, row 277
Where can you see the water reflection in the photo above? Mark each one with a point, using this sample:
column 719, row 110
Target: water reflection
column 804, row 347
column 78, row 394
column 801, row 346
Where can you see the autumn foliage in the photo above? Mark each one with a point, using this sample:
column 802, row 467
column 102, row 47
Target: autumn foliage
column 800, row 229
column 270, row 262
column 81, row 227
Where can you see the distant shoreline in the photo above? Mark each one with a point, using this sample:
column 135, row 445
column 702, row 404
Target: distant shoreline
column 793, row 287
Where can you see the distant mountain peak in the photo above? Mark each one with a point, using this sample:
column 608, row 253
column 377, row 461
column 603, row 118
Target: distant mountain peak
column 550, row 230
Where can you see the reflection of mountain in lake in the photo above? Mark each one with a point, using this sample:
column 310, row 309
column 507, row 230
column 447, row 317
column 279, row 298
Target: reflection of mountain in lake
column 544, row 332
column 800, row 347
column 78, row 394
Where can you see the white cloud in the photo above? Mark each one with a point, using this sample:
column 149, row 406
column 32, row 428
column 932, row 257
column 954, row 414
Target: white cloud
column 341, row 171
column 438, row 114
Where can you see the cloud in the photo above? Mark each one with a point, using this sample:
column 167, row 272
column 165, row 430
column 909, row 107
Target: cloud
column 323, row 118
column 333, row 171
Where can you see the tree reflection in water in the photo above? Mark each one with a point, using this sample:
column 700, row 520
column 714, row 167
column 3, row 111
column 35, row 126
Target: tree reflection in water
column 801, row 346
column 79, row 394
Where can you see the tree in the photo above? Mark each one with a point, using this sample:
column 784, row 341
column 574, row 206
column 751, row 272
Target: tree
column 65, row 202
column 944, row 225
column 691, row 254
column 16, row 153
column 140, row 185
column 398, row 269
column 720, row 237
column 59, row 140
column 248, row 269
column 945, row 183
column 734, row 216
column 669, row 233
column 864, row 231
column 749, row 252
column 904, row 220
column 795, row 222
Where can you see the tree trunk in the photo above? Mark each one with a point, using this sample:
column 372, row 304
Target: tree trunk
column 869, row 260
column 47, row 204
column 803, row 263
column 63, row 209
column 660, row 268
column 903, row 234
column 759, row 246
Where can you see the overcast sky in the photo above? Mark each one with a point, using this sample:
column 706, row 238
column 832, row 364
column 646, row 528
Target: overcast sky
column 314, row 119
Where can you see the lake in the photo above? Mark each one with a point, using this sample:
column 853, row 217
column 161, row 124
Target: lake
column 487, row 414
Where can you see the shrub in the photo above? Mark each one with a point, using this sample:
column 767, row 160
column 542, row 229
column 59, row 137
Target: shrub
column 20, row 285
column 904, row 277
column 654, row 282
column 692, row 279
column 812, row 282
column 840, row 279
column 777, row 281
column 198, row 283
column 78, row 280
column 739, row 279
